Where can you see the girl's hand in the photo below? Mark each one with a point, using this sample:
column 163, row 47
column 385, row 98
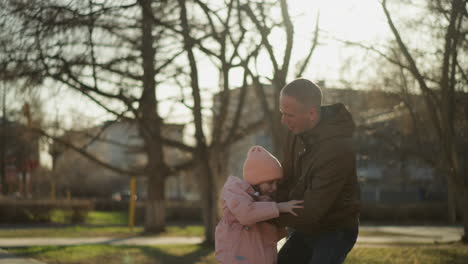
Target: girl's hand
column 287, row 207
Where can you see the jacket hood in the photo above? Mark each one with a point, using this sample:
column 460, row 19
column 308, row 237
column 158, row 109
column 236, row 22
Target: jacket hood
column 335, row 121
column 238, row 183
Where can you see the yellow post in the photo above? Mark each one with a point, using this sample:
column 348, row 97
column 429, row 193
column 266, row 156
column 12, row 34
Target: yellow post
column 52, row 190
column 68, row 195
column 131, row 207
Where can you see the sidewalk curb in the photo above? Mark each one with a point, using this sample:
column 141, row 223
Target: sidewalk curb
column 64, row 241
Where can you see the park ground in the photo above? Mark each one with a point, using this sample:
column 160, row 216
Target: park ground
column 104, row 239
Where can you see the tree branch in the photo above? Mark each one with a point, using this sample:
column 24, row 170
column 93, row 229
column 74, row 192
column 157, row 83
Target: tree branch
column 245, row 131
column 289, row 28
column 264, row 32
column 86, row 154
column 312, row 48
column 177, row 144
column 239, row 109
column 429, row 98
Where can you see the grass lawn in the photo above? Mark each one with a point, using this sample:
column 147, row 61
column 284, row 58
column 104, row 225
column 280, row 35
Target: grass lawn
column 97, row 254
column 108, row 224
column 184, row 254
column 121, row 231
column 95, row 217
column 93, row 231
column 453, row 254
column 113, row 224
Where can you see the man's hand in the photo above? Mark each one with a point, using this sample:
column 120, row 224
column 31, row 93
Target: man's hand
column 287, row 207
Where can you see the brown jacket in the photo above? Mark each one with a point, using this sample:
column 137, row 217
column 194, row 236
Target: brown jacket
column 320, row 168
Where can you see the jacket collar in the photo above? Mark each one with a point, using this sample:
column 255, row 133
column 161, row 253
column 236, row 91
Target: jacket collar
column 309, row 138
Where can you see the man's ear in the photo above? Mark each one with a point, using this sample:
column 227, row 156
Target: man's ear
column 313, row 113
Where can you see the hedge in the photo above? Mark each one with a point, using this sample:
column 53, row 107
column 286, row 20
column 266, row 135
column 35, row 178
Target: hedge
column 39, row 211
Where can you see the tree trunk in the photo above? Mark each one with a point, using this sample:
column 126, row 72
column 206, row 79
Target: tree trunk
column 24, row 188
column 271, row 113
column 451, row 202
column 209, row 201
column 279, row 131
column 279, row 137
column 3, row 146
column 150, row 128
column 465, row 221
column 220, row 164
column 155, row 212
column 461, row 189
column 465, row 207
column 462, row 202
column 208, row 196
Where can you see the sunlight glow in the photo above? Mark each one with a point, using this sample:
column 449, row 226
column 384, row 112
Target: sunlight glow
column 352, row 20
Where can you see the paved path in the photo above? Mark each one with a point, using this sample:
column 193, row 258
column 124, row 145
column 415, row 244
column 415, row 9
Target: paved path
column 412, row 234
column 382, row 235
column 64, row 241
column 393, row 235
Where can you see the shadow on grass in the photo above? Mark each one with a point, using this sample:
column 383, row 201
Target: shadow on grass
column 159, row 255
column 200, row 254
column 113, row 254
column 420, row 254
column 457, row 255
column 36, row 251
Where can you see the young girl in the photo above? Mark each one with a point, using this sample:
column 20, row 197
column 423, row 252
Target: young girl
column 241, row 235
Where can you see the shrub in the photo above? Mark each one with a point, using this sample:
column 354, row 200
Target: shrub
column 40, row 211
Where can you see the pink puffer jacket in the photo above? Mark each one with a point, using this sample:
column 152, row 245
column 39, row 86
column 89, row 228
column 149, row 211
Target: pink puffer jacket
column 241, row 237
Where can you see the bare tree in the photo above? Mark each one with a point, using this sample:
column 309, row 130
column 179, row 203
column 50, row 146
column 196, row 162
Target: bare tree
column 440, row 99
column 438, row 75
column 107, row 52
column 231, row 41
column 224, row 41
column 264, row 25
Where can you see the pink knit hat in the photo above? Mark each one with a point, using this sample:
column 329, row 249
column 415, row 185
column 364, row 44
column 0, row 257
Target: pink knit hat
column 260, row 166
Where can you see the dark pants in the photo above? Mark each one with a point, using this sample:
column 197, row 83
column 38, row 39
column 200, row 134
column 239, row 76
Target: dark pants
column 326, row 248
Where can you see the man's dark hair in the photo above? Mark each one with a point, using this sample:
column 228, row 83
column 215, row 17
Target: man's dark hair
column 305, row 91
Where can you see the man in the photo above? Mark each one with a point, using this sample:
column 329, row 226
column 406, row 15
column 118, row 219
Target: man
column 320, row 168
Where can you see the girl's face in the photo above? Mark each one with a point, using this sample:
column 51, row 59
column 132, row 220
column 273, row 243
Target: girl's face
column 267, row 188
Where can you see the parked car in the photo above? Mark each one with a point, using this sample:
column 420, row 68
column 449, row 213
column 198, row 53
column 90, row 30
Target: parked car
column 123, row 196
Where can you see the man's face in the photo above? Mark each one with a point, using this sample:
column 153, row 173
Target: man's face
column 295, row 115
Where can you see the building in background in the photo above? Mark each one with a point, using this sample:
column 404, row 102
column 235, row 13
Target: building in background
column 118, row 144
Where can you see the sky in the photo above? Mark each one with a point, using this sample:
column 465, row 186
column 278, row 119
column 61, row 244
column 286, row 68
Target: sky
column 353, row 20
